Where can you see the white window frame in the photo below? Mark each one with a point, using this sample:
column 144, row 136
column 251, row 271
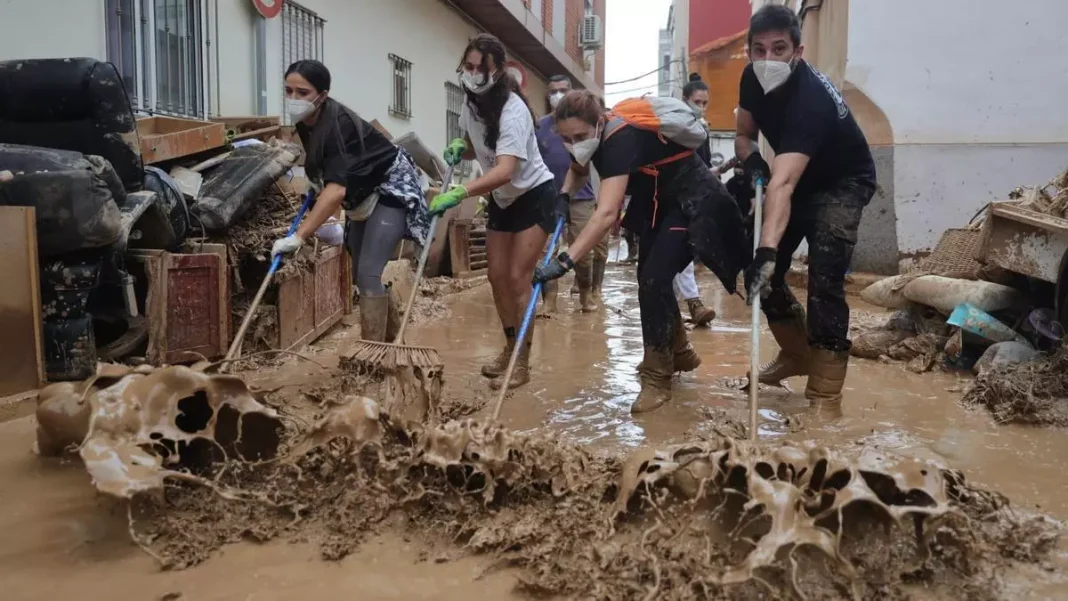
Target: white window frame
column 146, row 98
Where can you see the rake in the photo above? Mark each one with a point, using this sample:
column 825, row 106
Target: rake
column 373, row 356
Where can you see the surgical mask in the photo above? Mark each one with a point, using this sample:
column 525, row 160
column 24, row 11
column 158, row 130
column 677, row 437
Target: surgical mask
column 298, row 108
column 472, row 80
column 772, row 74
column 555, row 98
column 583, row 151
column 698, row 111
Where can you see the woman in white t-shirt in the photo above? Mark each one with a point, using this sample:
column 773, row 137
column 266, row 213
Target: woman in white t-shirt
column 499, row 133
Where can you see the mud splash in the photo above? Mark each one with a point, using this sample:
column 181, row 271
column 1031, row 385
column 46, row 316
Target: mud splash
column 715, row 519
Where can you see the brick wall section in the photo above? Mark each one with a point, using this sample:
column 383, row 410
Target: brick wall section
column 547, row 15
column 574, row 10
column 599, row 7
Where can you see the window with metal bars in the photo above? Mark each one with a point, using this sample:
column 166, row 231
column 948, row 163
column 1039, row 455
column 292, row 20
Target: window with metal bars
column 454, row 99
column 402, row 87
column 159, row 48
column 302, row 37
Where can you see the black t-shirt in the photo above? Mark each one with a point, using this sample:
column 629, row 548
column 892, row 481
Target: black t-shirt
column 809, row 116
column 355, row 155
column 628, row 150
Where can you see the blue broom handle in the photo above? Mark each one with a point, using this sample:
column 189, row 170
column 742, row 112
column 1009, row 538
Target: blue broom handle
column 277, row 262
column 529, row 316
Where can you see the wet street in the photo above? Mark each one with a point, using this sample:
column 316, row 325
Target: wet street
column 63, row 540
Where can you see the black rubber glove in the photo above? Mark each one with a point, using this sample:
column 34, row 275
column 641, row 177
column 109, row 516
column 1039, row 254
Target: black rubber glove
column 758, row 274
column 757, row 169
column 554, row 270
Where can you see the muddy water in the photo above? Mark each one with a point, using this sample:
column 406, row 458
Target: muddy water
column 61, row 540
column 584, row 382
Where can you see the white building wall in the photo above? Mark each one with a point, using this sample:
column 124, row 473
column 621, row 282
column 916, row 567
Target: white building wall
column 52, row 29
column 680, row 46
column 976, row 99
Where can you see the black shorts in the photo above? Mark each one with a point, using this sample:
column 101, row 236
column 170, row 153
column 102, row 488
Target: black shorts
column 539, row 206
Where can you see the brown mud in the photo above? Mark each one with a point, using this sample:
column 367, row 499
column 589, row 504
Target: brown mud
column 1034, row 393
column 538, row 505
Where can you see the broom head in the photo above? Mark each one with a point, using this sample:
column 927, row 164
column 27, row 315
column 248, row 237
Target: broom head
column 377, row 356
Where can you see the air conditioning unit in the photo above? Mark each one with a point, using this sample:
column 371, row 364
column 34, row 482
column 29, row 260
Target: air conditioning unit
column 591, row 37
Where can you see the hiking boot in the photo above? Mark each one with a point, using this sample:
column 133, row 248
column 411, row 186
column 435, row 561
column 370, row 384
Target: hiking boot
column 393, row 319
column 684, row 358
column 655, row 377
column 373, row 317
column 521, row 372
column 827, row 373
column 702, row 315
column 495, row 368
column 792, row 360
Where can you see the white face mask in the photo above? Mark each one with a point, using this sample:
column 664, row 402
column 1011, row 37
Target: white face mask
column 772, row 74
column 697, row 110
column 472, row 80
column 298, row 108
column 583, row 151
column 555, row 98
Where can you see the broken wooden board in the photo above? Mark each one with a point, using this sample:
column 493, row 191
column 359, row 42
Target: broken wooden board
column 20, row 302
column 166, row 138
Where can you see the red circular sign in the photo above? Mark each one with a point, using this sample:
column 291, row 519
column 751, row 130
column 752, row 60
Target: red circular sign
column 268, row 8
column 518, row 72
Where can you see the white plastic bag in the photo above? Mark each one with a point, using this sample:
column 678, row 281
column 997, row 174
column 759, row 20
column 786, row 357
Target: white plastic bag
column 332, row 232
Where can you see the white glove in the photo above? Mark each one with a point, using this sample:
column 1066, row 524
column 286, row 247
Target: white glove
column 287, row 245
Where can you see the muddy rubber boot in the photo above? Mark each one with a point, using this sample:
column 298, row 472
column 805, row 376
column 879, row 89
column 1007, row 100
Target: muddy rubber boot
column 792, row 360
column 373, row 316
column 393, row 318
column 655, row 377
column 587, row 301
column 701, row 315
column 599, row 266
column 521, row 373
column 549, row 294
column 827, row 373
column 495, row 368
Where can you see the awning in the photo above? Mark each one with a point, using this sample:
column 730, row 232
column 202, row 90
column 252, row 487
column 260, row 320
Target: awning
column 525, row 38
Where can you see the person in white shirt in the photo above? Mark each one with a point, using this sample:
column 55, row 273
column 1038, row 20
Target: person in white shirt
column 525, row 204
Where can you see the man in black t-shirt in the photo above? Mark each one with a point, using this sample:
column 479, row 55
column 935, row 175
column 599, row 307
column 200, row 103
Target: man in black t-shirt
column 821, row 178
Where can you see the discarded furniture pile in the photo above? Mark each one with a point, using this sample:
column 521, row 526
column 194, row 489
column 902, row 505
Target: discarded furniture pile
column 149, row 233
column 992, row 293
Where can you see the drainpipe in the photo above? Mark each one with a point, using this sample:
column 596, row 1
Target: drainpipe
column 261, row 65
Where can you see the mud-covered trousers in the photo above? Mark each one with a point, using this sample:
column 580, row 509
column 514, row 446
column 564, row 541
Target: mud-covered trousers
column 579, row 214
column 663, row 251
column 828, row 219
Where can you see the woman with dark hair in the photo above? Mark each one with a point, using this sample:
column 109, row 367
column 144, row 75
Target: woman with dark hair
column 679, row 207
column 695, row 93
column 499, row 133
column 353, row 166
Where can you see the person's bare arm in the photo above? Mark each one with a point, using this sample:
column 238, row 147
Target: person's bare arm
column 609, row 204
column 746, row 135
column 574, row 180
column 326, row 206
column 786, row 171
column 500, row 175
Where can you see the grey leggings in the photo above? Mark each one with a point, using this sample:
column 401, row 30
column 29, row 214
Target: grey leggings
column 372, row 243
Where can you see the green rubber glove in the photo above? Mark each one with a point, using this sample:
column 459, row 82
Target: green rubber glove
column 454, row 152
column 447, row 200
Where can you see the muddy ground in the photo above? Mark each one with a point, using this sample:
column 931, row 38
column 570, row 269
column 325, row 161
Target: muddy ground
column 62, row 539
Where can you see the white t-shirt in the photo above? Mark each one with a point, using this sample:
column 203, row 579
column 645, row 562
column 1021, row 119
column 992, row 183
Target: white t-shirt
column 517, row 139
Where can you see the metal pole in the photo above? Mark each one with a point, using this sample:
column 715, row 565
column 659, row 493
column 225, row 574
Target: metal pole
column 754, row 341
